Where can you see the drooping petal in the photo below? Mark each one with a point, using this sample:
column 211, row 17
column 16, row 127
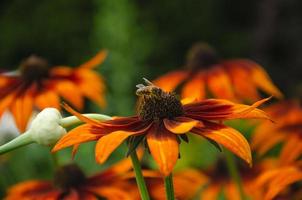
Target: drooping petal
column 70, row 92
column 92, row 85
column 32, row 190
column 78, row 135
column 194, row 88
column 281, row 181
column 243, row 85
column 6, row 102
column 80, row 116
column 47, row 98
column 228, row 137
column 219, row 83
column 291, row 150
column 21, row 109
column 111, row 193
column 96, row 60
column 164, row 148
column 108, row 143
column 219, row 109
column 180, row 125
column 263, row 81
column 170, row 81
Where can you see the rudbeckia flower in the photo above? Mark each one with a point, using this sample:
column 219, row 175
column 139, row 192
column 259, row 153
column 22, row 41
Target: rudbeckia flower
column 162, row 121
column 187, row 184
column 234, row 79
column 37, row 85
column 70, row 183
column 287, row 129
column 219, row 180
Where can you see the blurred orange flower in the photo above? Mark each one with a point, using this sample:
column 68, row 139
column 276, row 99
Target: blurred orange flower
column 236, row 79
column 163, row 121
column 37, row 85
column 287, row 129
column 70, row 183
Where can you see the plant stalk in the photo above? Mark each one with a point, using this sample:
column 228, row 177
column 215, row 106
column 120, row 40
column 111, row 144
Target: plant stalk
column 169, row 187
column 139, row 177
column 234, row 174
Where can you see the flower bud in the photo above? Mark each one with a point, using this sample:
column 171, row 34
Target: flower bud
column 45, row 128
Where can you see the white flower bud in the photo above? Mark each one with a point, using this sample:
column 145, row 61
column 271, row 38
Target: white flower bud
column 45, row 128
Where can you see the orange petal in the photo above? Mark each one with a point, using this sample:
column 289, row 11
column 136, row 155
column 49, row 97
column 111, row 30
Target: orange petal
column 5, row 102
column 70, row 92
column 219, row 109
column 219, row 83
column 111, row 192
column 108, row 143
column 92, row 86
column 263, row 81
column 163, row 146
column 281, row 181
column 228, row 137
column 291, row 150
column 180, row 125
column 194, row 88
column 171, row 80
column 21, row 109
column 78, row 135
column 240, row 76
column 80, row 116
column 96, row 60
column 126, row 164
column 46, row 99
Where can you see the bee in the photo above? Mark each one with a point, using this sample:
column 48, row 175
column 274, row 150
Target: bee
column 146, row 90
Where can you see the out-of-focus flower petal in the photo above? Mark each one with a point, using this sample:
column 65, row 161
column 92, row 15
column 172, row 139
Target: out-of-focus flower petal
column 21, row 109
column 219, row 83
column 194, row 88
column 69, row 91
column 170, row 81
column 46, row 99
column 96, row 60
column 281, row 181
column 263, row 81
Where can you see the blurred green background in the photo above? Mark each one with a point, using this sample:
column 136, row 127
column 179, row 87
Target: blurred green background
column 144, row 39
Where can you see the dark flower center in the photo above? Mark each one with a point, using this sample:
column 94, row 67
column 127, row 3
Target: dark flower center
column 34, row 68
column 69, row 176
column 155, row 104
column 201, row 55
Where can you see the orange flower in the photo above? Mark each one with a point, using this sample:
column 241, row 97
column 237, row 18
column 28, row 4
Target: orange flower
column 186, row 183
column 277, row 182
column 162, row 121
column 236, row 79
column 287, row 129
column 70, row 183
column 36, row 85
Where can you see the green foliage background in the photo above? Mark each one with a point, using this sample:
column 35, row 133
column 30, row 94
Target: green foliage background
column 144, row 39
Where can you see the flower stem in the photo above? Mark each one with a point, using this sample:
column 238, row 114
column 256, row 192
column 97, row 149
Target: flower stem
column 73, row 120
column 17, row 142
column 169, row 187
column 234, row 174
column 139, row 177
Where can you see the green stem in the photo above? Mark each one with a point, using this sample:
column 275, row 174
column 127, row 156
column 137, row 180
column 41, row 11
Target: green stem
column 73, row 120
column 169, row 187
column 17, row 142
column 139, row 177
column 234, row 174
